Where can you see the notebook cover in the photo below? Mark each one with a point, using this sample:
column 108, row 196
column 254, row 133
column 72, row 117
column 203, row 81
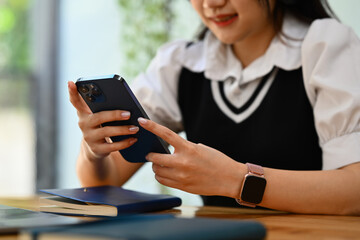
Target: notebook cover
column 12, row 219
column 161, row 227
column 126, row 201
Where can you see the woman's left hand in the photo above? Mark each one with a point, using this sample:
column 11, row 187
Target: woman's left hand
column 194, row 168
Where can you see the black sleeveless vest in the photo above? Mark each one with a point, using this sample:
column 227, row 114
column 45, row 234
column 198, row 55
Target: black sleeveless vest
column 279, row 134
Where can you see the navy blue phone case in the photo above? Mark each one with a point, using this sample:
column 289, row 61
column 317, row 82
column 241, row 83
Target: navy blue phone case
column 111, row 92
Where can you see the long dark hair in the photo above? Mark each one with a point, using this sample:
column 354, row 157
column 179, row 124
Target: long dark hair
column 305, row 10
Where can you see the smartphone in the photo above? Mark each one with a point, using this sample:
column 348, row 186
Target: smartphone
column 104, row 93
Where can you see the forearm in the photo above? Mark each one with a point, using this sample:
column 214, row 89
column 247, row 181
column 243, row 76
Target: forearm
column 317, row 192
column 91, row 172
column 111, row 170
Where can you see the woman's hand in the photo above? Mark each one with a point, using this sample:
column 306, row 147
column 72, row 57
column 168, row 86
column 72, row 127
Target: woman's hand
column 98, row 143
column 194, row 168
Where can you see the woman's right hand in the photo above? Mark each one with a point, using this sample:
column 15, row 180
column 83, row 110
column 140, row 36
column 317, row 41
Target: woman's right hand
column 97, row 138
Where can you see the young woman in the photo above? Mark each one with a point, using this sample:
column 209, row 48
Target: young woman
column 272, row 83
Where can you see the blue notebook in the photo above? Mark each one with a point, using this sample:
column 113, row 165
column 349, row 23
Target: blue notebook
column 159, row 227
column 104, row 201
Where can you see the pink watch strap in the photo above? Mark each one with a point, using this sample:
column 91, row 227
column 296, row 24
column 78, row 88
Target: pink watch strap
column 255, row 169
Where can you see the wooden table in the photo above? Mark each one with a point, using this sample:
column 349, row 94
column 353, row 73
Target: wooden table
column 279, row 225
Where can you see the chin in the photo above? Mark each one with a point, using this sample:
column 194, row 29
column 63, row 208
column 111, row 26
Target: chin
column 226, row 40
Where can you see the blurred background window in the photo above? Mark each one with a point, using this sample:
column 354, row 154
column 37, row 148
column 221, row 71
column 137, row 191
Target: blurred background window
column 45, row 43
column 17, row 135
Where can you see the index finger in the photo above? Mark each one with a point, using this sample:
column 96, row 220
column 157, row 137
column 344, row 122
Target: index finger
column 76, row 100
column 163, row 132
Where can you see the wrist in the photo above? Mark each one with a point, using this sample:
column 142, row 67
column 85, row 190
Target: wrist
column 92, row 170
column 88, row 155
column 231, row 188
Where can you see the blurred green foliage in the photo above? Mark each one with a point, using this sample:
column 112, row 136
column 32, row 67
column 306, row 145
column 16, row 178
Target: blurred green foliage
column 14, row 36
column 14, row 58
column 146, row 24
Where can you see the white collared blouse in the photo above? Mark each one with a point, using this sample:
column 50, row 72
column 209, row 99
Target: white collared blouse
column 327, row 51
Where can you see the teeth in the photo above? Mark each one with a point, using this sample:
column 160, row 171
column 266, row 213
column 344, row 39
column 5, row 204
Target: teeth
column 224, row 18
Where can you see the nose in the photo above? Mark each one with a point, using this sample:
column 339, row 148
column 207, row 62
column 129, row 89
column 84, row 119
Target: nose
column 213, row 3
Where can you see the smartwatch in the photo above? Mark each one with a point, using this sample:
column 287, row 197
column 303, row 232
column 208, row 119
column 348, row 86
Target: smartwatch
column 253, row 186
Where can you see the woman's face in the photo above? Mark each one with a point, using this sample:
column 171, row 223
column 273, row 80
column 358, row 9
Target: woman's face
column 234, row 20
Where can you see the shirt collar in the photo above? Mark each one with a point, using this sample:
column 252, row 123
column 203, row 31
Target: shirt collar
column 219, row 63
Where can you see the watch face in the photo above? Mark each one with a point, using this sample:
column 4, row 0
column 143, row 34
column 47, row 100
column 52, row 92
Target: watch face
column 253, row 189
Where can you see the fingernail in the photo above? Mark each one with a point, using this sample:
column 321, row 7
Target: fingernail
column 125, row 114
column 133, row 140
column 133, row 129
column 142, row 120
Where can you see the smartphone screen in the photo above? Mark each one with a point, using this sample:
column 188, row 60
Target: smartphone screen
column 111, row 92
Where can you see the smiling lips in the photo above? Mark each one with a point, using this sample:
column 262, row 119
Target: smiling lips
column 224, row 20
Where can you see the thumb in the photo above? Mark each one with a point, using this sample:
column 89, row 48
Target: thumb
column 76, row 100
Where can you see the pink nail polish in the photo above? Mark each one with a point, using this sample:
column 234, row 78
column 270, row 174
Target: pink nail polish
column 133, row 140
column 134, row 129
column 142, row 120
column 125, row 114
